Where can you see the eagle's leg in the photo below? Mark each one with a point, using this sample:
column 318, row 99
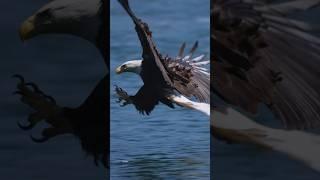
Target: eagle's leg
column 45, row 109
column 123, row 97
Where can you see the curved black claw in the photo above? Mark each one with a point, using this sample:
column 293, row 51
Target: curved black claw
column 51, row 99
column 17, row 92
column 19, row 77
column 124, row 104
column 39, row 140
column 96, row 161
column 25, row 128
column 122, row 97
column 34, row 87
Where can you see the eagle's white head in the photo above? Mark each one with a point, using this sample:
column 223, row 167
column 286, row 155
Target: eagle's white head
column 74, row 17
column 130, row 66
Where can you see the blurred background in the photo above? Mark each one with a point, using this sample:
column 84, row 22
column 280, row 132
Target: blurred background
column 170, row 143
column 248, row 162
column 65, row 67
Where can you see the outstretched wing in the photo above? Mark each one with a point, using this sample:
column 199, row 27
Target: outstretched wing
column 190, row 76
column 182, row 73
column 262, row 53
column 152, row 67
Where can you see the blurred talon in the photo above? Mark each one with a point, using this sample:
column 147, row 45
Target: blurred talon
column 34, row 87
column 51, row 99
column 96, row 161
column 25, row 127
column 17, row 92
column 44, row 106
column 123, row 98
column 19, row 77
column 39, row 140
column 126, row 102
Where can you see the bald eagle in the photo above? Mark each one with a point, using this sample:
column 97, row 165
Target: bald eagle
column 163, row 76
column 263, row 54
column 90, row 121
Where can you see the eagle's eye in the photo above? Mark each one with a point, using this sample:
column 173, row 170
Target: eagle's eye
column 124, row 66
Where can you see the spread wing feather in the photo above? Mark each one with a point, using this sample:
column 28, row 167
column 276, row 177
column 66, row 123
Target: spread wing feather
column 152, row 67
column 189, row 75
column 180, row 74
column 262, row 53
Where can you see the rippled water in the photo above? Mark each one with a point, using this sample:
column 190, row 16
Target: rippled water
column 168, row 144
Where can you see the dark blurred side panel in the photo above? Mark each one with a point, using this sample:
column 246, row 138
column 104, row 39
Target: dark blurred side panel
column 55, row 90
column 211, row 96
column 265, row 91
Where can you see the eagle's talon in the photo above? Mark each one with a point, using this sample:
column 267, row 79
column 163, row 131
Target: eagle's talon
column 34, row 87
column 51, row 99
column 45, row 109
column 124, row 104
column 25, row 127
column 18, row 93
column 122, row 94
column 31, row 93
column 123, row 98
column 39, row 140
column 21, row 78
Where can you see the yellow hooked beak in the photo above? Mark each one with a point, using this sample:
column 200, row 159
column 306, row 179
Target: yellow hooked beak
column 27, row 29
column 119, row 70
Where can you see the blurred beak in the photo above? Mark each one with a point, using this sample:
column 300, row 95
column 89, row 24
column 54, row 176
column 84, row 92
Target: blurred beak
column 119, row 70
column 27, row 29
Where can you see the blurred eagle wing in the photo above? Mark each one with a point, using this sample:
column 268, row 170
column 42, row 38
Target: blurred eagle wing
column 262, row 53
